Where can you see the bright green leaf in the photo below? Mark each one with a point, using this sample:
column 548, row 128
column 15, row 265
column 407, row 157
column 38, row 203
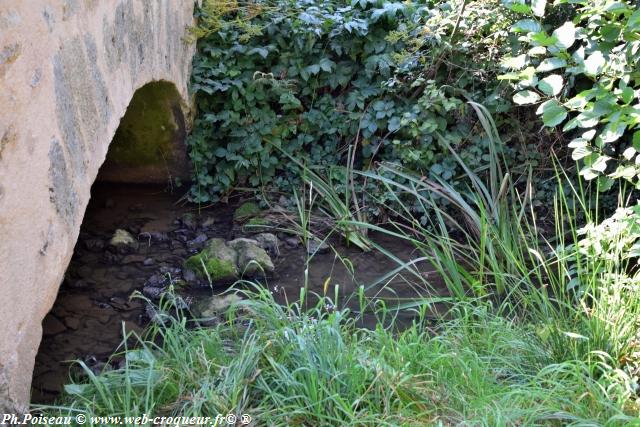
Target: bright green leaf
column 553, row 113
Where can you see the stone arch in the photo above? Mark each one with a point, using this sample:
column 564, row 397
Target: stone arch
column 148, row 146
column 68, row 71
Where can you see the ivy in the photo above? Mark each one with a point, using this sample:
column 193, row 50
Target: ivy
column 310, row 79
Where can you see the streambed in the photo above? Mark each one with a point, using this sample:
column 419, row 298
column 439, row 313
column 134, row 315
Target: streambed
column 94, row 309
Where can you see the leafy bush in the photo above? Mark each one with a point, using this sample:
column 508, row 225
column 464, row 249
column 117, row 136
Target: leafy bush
column 311, row 78
column 585, row 74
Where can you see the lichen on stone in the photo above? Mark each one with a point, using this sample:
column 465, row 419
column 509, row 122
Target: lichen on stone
column 252, row 259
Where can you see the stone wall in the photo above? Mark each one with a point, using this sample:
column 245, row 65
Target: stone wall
column 68, row 71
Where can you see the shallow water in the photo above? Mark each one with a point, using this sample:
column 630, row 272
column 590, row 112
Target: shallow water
column 93, row 309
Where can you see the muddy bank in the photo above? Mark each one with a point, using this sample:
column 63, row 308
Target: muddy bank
column 94, row 309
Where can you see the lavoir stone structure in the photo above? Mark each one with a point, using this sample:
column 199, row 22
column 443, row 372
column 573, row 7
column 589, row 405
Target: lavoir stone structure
column 69, row 70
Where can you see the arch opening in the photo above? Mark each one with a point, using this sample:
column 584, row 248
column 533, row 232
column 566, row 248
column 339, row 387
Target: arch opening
column 148, row 146
column 133, row 197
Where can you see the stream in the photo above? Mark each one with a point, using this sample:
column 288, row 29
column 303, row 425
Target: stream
column 94, row 309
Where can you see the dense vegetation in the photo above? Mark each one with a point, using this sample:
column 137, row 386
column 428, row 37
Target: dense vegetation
column 386, row 111
column 325, row 81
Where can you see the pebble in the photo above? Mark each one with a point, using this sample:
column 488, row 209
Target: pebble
column 133, row 258
column 317, row 247
column 94, row 245
column 152, row 292
column 292, row 242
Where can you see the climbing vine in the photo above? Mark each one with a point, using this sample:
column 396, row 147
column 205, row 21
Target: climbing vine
column 318, row 80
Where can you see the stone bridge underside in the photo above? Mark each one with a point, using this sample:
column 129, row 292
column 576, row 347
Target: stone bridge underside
column 68, row 71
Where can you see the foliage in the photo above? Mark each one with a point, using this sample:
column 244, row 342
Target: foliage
column 312, row 79
column 577, row 285
column 584, row 74
column 288, row 366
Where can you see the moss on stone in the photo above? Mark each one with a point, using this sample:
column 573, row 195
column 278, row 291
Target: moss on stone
column 217, row 262
column 258, row 221
column 246, row 211
column 216, row 269
column 147, row 130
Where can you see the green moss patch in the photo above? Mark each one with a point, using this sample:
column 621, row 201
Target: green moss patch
column 215, row 268
column 148, row 128
column 246, row 211
column 217, row 262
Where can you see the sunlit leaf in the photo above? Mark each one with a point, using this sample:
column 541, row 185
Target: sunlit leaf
column 550, row 64
column 552, row 113
column 594, row 63
column 526, row 26
column 525, row 97
column 551, row 85
column 566, row 35
column 580, row 152
column 538, row 6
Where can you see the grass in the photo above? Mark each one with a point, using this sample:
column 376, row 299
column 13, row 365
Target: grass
column 287, row 367
column 542, row 327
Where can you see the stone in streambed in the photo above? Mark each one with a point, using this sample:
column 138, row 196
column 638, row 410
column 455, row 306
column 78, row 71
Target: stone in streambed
column 269, row 242
column 152, row 292
column 317, row 247
column 130, row 259
column 209, row 308
column 123, row 241
column 252, row 259
column 94, row 245
column 217, row 262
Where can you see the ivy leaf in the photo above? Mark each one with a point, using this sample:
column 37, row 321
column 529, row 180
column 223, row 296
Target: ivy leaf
column 313, row 69
column 552, row 113
column 326, row 64
column 565, row 35
column 260, row 51
column 525, row 97
column 551, row 85
column 594, row 63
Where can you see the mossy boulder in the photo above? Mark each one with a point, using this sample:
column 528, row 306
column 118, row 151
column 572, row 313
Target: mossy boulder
column 217, row 262
column 246, row 211
column 252, row 259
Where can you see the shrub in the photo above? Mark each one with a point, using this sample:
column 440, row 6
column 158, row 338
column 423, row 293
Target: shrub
column 311, row 78
column 584, row 75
